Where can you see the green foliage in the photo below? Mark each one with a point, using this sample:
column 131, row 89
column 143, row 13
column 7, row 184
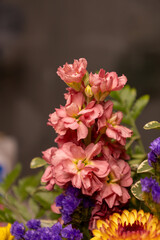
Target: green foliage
column 37, row 162
column 144, row 167
column 25, row 199
column 137, row 191
column 125, row 101
column 152, row 125
column 11, row 178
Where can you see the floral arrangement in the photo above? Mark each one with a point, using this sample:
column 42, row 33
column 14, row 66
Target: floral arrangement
column 98, row 182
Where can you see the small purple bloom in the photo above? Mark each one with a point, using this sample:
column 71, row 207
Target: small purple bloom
column 56, row 229
column 156, row 193
column 154, row 154
column 29, row 235
column 71, row 233
column 17, row 230
column 147, row 184
column 68, row 202
column 46, row 233
column 33, row 224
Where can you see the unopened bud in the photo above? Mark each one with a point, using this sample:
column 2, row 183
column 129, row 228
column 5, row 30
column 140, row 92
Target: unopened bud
column 88, row 91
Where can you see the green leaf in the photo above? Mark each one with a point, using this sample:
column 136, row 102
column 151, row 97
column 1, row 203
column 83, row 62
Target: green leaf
column 45, row 199
column 37, row 162
column 116, row 95
column 34, row 207
column 137, row 191
column 25, row 183
column 47, row 223
column 134, row 163
column 152, row 125
column 144, row 167
column 131, row 97
column 139, row 156
column 139, row 106
column 128, row 96
column 11, row 177
column 118, row 106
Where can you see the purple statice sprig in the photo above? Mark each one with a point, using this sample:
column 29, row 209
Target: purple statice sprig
column 33, row 224
column 56, row 232
column 70, row 201
column 150, row 185
column 18, row 230
column 154, row 154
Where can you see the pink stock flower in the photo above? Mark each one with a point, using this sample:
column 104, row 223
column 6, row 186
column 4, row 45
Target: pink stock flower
column 103, row 83
column 73, row 116
column 48, row 178
column 110, row 123
column 49, row 154
column 68, row 117
column 81, row 167
column 90, row 113
column 116, row 150
column 72, row 74
column 114, row 189
column 70, row 136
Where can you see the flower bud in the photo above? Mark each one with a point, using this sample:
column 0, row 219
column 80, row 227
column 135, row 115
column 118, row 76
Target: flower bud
column 88, row 91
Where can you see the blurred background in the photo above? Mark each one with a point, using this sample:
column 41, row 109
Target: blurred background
column 38, row 36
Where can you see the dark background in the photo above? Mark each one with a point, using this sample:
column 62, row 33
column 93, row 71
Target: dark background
column 38, row 36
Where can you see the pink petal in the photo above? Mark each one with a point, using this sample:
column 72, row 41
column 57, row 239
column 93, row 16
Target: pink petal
column 93, row 150
column 82, row 131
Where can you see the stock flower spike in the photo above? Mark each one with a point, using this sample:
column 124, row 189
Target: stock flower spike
column 128, row 226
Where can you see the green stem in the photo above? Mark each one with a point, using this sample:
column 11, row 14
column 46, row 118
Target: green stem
column 136, row 132
column 87, row 140
column 131, row 141
column 98, row 138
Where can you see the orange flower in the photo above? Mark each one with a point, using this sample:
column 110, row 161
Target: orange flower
column 129, row 226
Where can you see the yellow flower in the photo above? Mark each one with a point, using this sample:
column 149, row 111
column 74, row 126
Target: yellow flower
column 129, row 226
column 5, row 233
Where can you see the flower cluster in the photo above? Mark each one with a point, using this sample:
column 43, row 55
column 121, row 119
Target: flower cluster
column 36, row 232
column 150, row 185
column 91, row 141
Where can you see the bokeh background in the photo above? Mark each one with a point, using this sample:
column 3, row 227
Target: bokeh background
column 38, row 36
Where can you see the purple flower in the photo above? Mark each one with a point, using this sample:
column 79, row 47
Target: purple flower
column 33, row 224
column 29, row 235
column 156, row 193
column 56, row 232
column 147, row 184
column 154, row 154
column 56, row 229
column 68, row 202
column 17, row 230
column 46, row 233
column 71, row 233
